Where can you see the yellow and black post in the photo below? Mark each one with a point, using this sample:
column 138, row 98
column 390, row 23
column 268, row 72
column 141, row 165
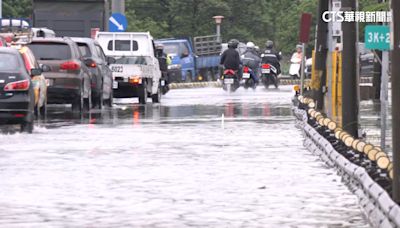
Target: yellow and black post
column 396, row 99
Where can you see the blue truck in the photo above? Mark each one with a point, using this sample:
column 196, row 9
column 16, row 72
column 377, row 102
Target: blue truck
column 193, row 61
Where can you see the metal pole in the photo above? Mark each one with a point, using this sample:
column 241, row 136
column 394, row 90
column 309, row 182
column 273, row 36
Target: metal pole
column 349, row 73
column 395, row 97
column 1, row 8
column 219, row 32
column 118, row 6
column 321, row 51
column 302, row 68
column 384, row 96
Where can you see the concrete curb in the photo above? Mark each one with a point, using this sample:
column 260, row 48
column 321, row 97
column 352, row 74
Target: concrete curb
column 190, row 85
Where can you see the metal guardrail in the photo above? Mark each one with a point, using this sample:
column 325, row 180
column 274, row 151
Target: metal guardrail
column 364, row 168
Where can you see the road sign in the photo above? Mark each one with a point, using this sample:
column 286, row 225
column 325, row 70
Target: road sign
column 117, row 23
column 305, row 26
column 377, row 37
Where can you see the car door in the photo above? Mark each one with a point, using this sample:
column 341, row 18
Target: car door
column 106, row 71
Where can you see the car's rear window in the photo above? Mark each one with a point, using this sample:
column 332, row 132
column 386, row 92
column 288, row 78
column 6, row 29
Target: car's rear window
column 51, row 51
column 85, row 50
column 8, row 62
column 123, row 45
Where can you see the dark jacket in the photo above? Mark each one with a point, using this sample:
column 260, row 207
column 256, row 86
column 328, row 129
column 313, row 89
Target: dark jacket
column 272, row 57
column 230, row 59
column 251, row 59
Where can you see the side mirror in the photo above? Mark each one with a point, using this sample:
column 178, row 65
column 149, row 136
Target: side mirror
column 36, row 71
column 45, row 68
column 90, row 62
column 110, row 60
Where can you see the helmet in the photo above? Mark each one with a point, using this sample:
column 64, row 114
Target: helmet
column 233, row 43
column 250, row 45
column 269, row 44
column 299, row 46
column 159, row 46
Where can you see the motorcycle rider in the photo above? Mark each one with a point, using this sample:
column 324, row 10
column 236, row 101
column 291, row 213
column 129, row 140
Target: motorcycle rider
column 164, row 60
column 271, row 56
column 230, row 59
column 251, row 59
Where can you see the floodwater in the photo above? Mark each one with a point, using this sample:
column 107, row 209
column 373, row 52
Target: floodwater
column 203, row 158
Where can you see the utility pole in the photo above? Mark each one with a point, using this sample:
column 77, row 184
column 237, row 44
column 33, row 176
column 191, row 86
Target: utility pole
column 395, row 98
column 118, row 6
column 377, row 70
column 321, row 51
column 350, row 96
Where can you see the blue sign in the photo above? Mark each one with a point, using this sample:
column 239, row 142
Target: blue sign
column 117, row 23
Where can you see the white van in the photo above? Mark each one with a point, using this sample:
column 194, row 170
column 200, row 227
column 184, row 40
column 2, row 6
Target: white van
column 136, row 72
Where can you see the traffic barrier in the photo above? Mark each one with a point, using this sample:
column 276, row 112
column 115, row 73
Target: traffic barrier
column 364, row 168
column 188, row 85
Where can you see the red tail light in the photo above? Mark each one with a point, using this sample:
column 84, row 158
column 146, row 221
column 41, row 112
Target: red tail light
column 229, row 72
column 266, row 66
column 71, row 65
column 246, row 70
column 17, row 86
column 93, row 65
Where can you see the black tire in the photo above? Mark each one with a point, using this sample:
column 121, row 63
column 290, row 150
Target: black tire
column 27, row 126
column 143, row 94
column 77, row 104
column 98, row 103
column 188, row 77
column 276, row 82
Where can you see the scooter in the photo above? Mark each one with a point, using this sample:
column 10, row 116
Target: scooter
column 230, row 81
column 269, row 75
column 295, row 66
column 247, row 80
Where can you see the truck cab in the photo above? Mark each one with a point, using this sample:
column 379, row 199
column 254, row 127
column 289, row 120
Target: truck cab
column 182, row 67
column 193, row 61
column 136, row 72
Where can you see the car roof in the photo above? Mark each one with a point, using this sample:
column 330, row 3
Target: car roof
column 51, row 39
column 9, row 50
column 84, row 40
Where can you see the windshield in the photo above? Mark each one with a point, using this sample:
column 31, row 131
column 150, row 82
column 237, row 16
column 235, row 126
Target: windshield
column 8, row 62
column 171, row 48
column 51, row 51
column 140, row 60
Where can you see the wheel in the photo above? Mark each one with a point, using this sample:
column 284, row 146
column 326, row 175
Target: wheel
column 98, row 103
column 188, row 77
column 143, row 94
column 276, row 82
column 87, row 102
column 208, row 76
column 77, row 104
column 27, row 124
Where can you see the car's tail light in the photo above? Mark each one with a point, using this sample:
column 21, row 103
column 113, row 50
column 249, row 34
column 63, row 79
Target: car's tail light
column 17, row 86
column 266, row 66
column 246, row 70
column 91, row 64
column 70, row 65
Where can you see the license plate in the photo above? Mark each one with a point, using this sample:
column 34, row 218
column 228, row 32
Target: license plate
column 162, row 83
column 228, row 80
column 266, row 71
column 246, row 75
column 115, row 85
column 49, row 82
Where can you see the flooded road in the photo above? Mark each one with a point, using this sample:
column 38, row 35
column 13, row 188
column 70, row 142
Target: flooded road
column 203, row 158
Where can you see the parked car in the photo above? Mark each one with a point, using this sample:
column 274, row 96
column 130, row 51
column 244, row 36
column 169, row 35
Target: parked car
column 38, row 81
column 69, row 79
column 102, row 82
column 17, row 98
